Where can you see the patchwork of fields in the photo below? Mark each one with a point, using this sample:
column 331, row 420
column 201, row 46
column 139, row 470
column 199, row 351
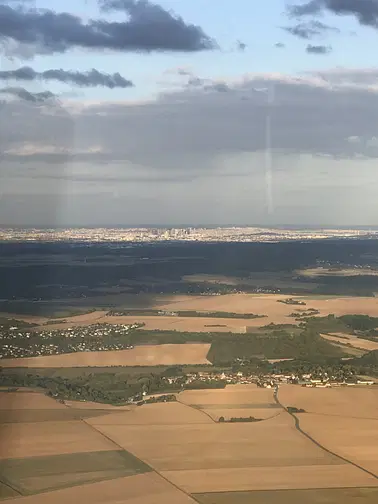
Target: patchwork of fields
column 146, row 355
column 169, row 452
column 349, row 339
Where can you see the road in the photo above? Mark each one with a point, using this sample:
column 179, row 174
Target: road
column 299, row 429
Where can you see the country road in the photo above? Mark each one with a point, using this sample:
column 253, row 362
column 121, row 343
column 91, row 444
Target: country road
column 299, row 429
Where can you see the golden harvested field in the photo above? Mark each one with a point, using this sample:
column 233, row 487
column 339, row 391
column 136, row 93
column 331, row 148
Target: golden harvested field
column 345, row 305
column 140, row 489
column 173, row 413
column 238, row 303
column 343, row 402
column 361, row 343
column 353, row 438
column 196, row 324
column 146, row 355
column 50, row 438
column 28, row 400
column 226, row 412
column 239, row 401
column 259, row 304
column 269, row 478
column 237, row 395
column 365, row 495
column 270, row 443
column 89, row 405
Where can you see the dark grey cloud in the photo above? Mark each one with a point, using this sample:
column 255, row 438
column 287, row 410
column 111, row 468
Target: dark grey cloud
column 306, row 9
column 318, row 49
column 91, row 78
column 23, row 94
column 187, row 130
column 199, row 83
column 189, row 140
column 310, row 30
column 147, row 27
column 365, row 11
column 241, row 46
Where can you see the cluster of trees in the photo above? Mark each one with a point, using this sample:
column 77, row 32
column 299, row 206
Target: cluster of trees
column 239, row 419
column 291, row 301
column 276, row 345
column 186, row 313
column 160, row 399
column 293, row 409
column 110, row 388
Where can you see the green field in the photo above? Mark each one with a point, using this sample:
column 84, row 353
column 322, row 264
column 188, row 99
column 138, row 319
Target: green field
column 315, row 496
column 6, row 491
column 39, row 474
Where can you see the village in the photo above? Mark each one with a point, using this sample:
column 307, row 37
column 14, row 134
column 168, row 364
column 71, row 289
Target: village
column 217, row 380
column 100, row 337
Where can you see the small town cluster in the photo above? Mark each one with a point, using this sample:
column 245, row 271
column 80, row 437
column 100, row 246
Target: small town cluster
column 28, row 343
column 266, row 381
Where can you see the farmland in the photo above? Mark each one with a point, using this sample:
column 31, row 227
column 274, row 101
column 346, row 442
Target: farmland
column 104, row 334
column 313, row 496
column 47, row 445
column 351, row 340
column 237, row 401
column 172, row 450
column 147, row 355
column 140, row 489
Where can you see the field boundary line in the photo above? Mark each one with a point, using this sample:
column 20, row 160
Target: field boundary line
column 341, row 416
column 319, row 445
column 142, row 461
column 9, row 485
column 198, row 409
column 285, row 490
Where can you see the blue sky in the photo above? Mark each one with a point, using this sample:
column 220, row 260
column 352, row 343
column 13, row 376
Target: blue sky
column 257, row 24
column 155, row 152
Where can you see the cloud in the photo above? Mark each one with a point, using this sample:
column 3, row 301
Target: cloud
column 193, row 128
column 23, row 94
column 306, row 9
column 365, row 11
column 310, row 30
column 318, row 49
column 365, row 77
column 147, row 27
column 241, row 46
column 113, row 160
column 279, row 45
column 90, row 78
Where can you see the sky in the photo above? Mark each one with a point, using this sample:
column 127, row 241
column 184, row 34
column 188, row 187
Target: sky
column 188, row 112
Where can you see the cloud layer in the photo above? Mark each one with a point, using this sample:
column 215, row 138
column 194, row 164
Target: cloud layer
column 91, row 78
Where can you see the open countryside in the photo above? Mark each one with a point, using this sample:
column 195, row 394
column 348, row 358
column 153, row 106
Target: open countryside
column 216, row 396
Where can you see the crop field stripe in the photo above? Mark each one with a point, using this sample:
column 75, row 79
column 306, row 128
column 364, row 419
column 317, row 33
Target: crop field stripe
column 142, row 462
column 299, row 429
column 251, row 494
column 277, row 490
column 6, row 483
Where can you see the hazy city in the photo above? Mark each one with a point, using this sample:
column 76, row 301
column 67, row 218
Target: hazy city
column 192, row 234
